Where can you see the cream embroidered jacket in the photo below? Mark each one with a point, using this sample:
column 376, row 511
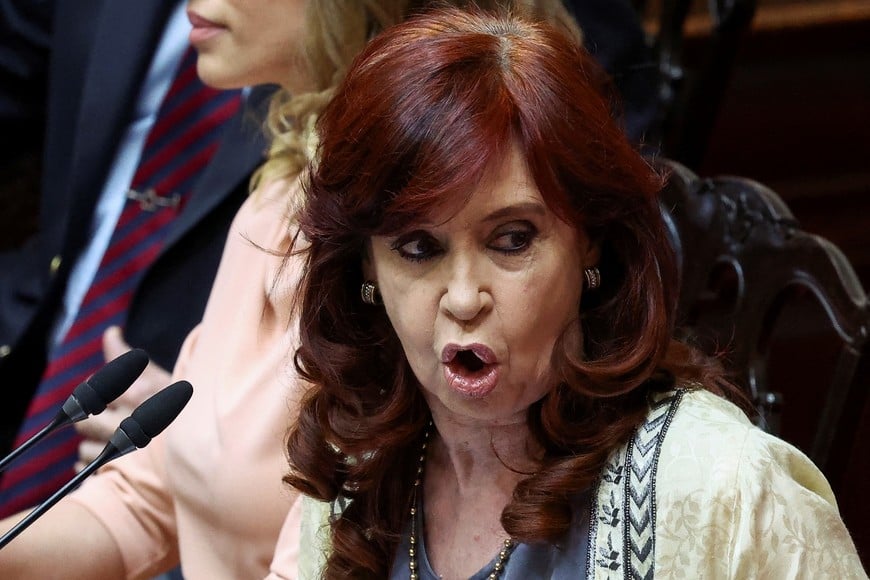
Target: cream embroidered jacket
column 698, row 492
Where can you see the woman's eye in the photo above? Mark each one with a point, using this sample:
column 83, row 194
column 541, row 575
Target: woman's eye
column 416, row 247
column 514, row 240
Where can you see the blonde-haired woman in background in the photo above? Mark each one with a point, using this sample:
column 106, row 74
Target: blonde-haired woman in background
column 208, row 493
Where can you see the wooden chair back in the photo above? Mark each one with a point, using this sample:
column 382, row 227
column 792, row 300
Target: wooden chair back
column 745, row 262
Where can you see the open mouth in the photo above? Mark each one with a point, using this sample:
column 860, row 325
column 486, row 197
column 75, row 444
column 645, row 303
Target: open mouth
column 471, row 370
column 468, row 360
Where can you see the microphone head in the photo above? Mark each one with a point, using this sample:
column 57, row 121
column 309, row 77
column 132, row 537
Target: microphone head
column 156, row 413
column 108, row 383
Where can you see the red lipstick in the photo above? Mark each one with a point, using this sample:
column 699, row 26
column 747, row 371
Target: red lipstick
column 472, row 369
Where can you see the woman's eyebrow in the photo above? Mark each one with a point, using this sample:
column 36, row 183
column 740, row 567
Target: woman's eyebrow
column 517, row 208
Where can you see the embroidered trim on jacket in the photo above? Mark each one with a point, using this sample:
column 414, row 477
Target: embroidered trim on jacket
column 622, row 526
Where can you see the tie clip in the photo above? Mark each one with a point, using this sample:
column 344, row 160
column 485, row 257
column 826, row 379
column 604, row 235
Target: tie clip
column 150, row 201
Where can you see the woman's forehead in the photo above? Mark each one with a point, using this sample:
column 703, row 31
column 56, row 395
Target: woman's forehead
column 509, row 188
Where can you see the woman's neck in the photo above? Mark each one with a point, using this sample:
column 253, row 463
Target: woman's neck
column 474, row 455
column 470, row 472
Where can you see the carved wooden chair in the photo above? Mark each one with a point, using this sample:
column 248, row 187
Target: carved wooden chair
column 748, row 271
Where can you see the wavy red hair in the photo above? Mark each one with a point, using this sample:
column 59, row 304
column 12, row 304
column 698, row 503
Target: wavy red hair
column 425, row 110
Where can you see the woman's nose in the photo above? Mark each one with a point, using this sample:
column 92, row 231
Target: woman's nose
column 465, row 294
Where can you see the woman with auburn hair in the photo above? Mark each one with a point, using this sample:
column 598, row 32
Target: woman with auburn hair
column 208, row 492
column 487, row 321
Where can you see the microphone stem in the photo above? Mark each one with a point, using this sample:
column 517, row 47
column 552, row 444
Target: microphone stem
column 57, row 422
column 104, row 457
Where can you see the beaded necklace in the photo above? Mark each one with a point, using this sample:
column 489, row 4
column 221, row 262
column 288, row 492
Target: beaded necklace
column 503, row 554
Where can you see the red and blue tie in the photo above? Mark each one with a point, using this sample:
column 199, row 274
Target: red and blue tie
column 179, row 145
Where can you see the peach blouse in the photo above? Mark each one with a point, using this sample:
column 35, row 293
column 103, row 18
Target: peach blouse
column 208, row 492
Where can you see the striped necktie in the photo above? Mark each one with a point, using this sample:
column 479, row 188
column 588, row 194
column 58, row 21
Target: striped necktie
column 178, row 146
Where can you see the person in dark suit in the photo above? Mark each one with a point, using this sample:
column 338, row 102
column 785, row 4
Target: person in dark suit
column 76, row 68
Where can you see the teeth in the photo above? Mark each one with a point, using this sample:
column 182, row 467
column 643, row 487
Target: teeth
column 469, row 360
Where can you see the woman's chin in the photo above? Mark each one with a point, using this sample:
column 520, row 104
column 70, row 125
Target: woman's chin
column 214, row 72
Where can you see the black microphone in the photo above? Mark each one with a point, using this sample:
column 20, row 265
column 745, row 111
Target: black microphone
column 134, row 432
column 91, row 396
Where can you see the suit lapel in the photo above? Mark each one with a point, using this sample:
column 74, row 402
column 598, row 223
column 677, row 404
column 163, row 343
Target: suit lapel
column 127, row 33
